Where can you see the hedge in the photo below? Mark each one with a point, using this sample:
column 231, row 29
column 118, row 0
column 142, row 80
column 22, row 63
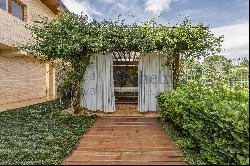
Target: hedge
column 213, row 121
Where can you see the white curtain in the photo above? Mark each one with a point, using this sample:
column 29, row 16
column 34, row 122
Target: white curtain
column 153, row 78
column 98, row 86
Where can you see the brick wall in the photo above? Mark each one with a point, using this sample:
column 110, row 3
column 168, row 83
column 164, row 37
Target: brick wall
column 12, row 29
column 22, row 77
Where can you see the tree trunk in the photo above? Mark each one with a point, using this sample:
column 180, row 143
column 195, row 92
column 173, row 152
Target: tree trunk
column 76, row 99
column 80, row 66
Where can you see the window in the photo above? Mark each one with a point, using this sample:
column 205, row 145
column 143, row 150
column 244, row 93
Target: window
column 14, row 7
column 4, row 4
column 17, row 10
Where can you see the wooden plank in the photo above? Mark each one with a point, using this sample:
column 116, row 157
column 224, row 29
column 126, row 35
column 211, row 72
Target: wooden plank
column 127, row 110
column 127, row 146
column 122, row 163
column 96, row 131
column 52, row 5
column 133, row 158
column 125, row 138
column 115, row 149
column 124, row 141
column 148, row 153
column 139, row 129
column 101, row 123
column 124, row 135
column 127, row 124
column 126, row 119
column 126, row 63
column 114, row 137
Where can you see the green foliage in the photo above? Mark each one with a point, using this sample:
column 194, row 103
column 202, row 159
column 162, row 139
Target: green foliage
column 64, row 39
column 245, row 62
column 191, row 70
column 214, row 122
column 40, row 134
column 64, row 89
column 73, row 39
column 239, row 73
column 121, row 76
column 214, row 70
column 126, row 76
column 190, row 153
column 62, row 79
column 216, row 67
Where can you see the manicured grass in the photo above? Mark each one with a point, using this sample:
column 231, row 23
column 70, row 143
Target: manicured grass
column 40, row 134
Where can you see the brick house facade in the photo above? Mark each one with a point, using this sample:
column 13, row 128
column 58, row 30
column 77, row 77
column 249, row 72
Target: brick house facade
column 23, row 77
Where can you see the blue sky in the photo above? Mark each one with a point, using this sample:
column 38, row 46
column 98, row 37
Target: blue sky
column 225, row 17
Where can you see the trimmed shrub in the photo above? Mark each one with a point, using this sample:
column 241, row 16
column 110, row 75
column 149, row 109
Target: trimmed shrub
column 213, row 121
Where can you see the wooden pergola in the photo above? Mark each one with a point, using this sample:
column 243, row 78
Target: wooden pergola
column 131, row 58
column 126, row 58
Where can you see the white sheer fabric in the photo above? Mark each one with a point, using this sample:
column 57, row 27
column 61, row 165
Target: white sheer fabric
column 98, row 86
column 153, row 78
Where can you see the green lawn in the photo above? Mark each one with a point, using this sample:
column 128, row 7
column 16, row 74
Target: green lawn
column 40, row 134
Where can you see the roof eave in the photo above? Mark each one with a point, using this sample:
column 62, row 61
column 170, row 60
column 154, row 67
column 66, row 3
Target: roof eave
column 54, row 5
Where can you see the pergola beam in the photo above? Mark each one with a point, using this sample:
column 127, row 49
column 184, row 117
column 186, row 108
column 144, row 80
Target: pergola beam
column 126, row 63
column 176, row 69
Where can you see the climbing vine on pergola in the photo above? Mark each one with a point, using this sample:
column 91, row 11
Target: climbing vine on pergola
column 74, row 38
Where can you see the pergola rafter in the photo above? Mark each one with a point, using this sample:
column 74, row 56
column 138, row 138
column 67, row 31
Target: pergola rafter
column 125, row 58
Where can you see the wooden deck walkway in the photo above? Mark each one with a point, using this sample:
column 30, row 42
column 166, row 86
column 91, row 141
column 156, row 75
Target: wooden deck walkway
column 127, row 110
column 126, row 141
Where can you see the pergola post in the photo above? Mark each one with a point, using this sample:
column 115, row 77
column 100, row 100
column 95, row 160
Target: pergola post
column 176, row 69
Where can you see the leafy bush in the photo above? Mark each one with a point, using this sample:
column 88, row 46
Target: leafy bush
column 213, row 122
column 121, row 77
column 40, row 134
column 64, row 89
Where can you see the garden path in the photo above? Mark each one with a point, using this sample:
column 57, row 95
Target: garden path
column 125, row 141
